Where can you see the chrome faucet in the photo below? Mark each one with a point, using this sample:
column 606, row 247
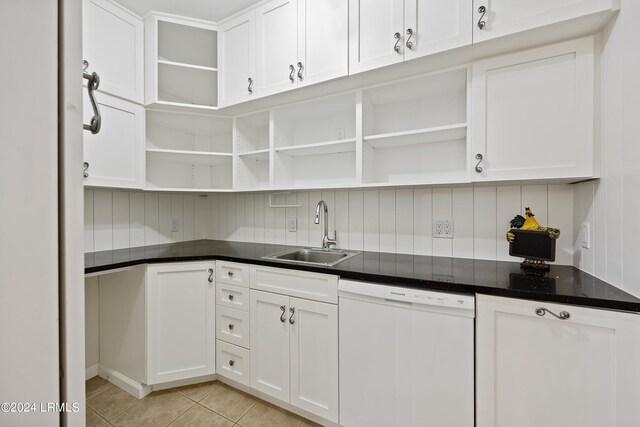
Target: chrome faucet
column 326, row 241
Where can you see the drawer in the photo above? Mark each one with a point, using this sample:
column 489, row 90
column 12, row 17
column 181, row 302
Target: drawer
column 233, row 362
column 232, row 296
column 314, row 286
column 232, row 326
column 232, row 273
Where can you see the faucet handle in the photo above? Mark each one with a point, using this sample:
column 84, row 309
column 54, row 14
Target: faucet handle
column 334, row 241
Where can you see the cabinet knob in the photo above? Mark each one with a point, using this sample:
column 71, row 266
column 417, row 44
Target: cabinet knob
column 231, row 363
column 292, row 70
column 210, row 271
column 230, row 273
column 564, row 315
column 231, row 326
column 396, row 46
column 481, row 21
column 230, row 297
column 409, row 43
column 86, row 168
column 479, row 158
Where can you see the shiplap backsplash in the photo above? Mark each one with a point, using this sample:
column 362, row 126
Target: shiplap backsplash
column 389, row 220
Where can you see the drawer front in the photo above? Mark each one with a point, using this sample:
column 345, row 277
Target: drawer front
column 233, row 362
column 314, row 286
column 232, row 326
column 232, row 273
column 232, row 296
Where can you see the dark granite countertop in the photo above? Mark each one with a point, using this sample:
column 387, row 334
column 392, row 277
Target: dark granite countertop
column 563, row 284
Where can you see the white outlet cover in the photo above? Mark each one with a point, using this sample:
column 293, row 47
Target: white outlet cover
column 292, row 225
column 174, row 225
column 443, row 229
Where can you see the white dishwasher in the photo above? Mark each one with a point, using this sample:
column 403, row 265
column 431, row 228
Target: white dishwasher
column 406, row 357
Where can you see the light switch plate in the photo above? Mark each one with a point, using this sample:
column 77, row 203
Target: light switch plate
column 174, row 225
column 292, row 224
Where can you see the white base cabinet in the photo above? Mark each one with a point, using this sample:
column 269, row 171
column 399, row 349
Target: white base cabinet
column 294, row 345
column 534, row 369
column 180, row 321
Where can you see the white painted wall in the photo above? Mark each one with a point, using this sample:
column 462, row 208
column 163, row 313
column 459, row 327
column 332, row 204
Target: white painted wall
column 611, row 204
column 391, row 220
column 29, row 362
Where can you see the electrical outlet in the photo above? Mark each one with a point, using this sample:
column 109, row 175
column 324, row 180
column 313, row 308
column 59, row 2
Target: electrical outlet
column 340, row 133
column 174, row 225
column 442, row 229
column 292, row 225
column 586, row 235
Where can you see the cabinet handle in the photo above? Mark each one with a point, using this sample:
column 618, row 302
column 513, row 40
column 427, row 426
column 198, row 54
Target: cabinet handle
column 230, row 297
column 481, row 22
column 541, row 311
column 282, row 316
column 292, row 70
column 409, row 42
column 250, row 87
column 396, row 46
column 292, row 310
column 231, row 363
column 231, row 326
column 93, row 81
column 210, row 279
column 230, row 273
column 479, row 158
column 300, row 68
column 86, row 168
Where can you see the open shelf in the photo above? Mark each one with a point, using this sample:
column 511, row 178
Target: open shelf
column 187, row 86
column 188, row 132
column 418, row 136
column 188, row 171
column 193, row 157
column 329, row 147
column 184, row 65
column 187, row 44
column 258, row 154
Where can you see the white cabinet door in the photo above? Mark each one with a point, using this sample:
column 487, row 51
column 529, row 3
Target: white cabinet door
column 532, row 114
column 115, row 155
column 180, row 321
column 270, row 343
column 502, row 17
column 237, row 67
column 276, row 46
column 373, row 25
column 314, row 357
column 537, row 370
column 323, row 40
column 436, row 26
column 113, row 45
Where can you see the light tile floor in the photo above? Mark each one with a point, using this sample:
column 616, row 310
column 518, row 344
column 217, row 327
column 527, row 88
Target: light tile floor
column 211, row 404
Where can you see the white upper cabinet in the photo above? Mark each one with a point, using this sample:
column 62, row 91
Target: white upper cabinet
column 115, row 157
column 532, row 114
column 276, row 46
column 375, row 34
column 323, row 34
column 113, row 45
column 237, row 53
column 299, row 43
column 385, row 32
column 535, row 369
column 495, row 18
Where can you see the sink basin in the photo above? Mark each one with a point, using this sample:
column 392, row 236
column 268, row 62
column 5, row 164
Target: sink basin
column 312, row 256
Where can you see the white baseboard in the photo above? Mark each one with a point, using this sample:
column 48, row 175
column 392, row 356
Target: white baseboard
column 180, row 383
column 132, row 387
column 90, row 372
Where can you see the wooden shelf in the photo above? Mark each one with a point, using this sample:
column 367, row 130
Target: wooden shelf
column 418, row 136
column 319, row 148
column 185, row 65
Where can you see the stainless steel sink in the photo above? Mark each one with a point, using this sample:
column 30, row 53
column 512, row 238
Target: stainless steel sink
column 312, row 256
